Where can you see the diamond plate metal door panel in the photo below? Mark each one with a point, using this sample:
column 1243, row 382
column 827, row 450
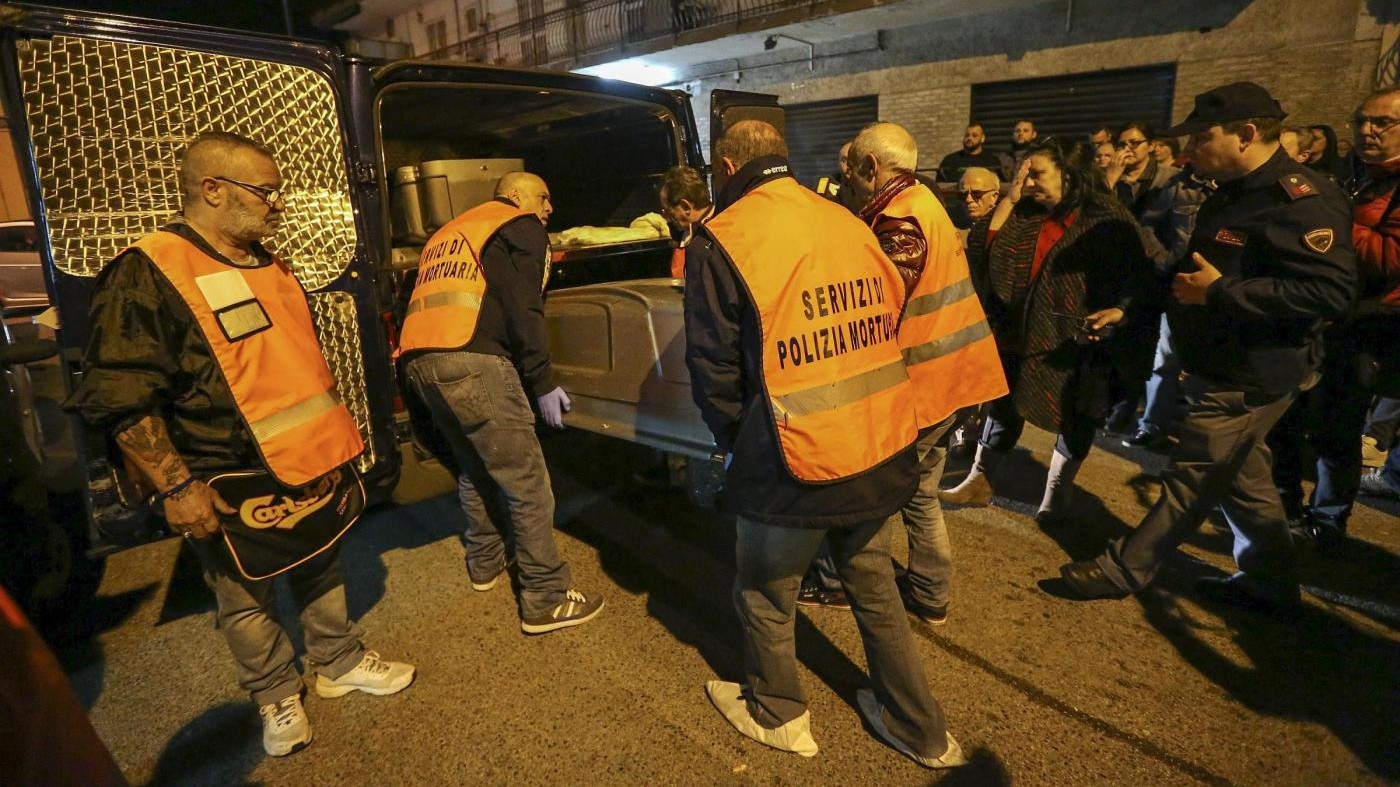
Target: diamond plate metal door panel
column 108, row 120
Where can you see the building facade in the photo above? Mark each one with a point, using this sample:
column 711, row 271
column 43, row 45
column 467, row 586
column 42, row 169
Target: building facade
column 925, row 62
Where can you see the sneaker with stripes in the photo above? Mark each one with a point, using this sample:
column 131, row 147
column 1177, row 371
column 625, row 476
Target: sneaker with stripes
column 575, row 609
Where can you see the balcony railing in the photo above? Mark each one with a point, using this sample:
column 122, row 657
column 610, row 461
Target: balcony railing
column 595, row 27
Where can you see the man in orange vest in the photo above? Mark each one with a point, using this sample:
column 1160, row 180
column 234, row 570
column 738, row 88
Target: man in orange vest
column 947, row 344
column 473, row 343
column 791, row 312
column 686, row 203
column 181, row 324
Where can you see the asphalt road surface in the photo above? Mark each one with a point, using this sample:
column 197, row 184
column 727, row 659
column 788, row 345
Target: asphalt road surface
column 1156, row 690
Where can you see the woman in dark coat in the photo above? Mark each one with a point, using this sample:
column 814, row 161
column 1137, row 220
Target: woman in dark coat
column 1058, row 264
column 1325, row 157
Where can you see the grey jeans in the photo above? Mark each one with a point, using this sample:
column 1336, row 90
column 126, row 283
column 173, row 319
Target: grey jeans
column 479, row 405
column 930, row 569
column 263, row 653
column 770, row 561
column 1221, row 460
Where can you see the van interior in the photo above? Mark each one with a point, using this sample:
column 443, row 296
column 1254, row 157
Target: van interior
column 444, row 147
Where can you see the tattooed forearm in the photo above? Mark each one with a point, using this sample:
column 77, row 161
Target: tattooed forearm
column 147, row 448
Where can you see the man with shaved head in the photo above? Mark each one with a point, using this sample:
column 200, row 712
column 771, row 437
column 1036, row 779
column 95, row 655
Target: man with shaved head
column 474, row 347
column 790, row 314
column 183, row 322
column 974, row 153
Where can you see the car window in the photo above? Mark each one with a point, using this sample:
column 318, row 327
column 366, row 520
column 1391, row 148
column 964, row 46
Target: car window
column 18, row 239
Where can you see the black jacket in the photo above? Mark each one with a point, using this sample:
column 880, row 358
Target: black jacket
column 146, row 356
column 951, row 168
column 725, row 358
column 1281, row 237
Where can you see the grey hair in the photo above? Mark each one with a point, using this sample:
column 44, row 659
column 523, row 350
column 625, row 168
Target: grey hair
column 982, row 173
column 890, row 143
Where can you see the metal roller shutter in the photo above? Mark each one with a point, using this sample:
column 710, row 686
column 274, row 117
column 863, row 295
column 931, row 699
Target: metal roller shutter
column 1070, row 106
column 816, row 132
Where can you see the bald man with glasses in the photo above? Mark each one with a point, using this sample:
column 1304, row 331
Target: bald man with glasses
column 181, row 323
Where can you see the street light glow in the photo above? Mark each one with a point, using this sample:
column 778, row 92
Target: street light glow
column 638, row 71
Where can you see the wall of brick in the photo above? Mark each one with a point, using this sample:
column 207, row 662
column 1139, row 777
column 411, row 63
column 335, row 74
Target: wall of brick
column 1318, row 57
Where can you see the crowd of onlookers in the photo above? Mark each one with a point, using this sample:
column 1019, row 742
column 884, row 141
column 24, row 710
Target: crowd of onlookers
column 1348, row 422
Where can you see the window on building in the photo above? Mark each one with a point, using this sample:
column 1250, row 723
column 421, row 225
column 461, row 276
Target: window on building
column 472, row 21
column 1071, row 105
column 389, row 27
column 437, row 35
column 817, row 130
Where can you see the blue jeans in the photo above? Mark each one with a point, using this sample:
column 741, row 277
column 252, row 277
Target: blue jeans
column 770, row 561
column 1163, row 387
column 479, row 405
column 1330, row 418
column 1391, row 471
column 930, row 550
column 1384, row 422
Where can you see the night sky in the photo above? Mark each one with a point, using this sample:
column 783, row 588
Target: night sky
column 260, row 15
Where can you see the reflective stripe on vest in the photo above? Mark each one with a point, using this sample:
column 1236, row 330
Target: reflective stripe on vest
column 446, row 301
column 828, row 304
column 257, row 324
column 944, row 335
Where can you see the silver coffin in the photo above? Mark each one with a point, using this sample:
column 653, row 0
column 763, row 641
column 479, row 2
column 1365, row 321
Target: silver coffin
column 618, row 349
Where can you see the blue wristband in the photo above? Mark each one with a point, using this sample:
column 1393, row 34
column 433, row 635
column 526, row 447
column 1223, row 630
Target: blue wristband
column 159, row 497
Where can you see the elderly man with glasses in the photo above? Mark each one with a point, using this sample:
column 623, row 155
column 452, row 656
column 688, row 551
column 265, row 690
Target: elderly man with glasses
column 979, row 189
column 1362, row 355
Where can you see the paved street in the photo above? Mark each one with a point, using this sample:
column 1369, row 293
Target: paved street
column 1157, row 690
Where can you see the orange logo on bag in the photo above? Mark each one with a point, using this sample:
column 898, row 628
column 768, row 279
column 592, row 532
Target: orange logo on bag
column 284, row 511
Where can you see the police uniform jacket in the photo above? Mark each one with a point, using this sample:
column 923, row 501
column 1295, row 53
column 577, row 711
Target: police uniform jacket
column 1281, row 238
column 724, row 355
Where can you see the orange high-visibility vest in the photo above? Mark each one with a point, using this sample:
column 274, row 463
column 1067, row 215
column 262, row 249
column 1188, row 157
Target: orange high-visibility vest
column 678, row 262
column 678, row 253
column 446, row 301
column 947, row 343
column 828, row 303
column 258, row 325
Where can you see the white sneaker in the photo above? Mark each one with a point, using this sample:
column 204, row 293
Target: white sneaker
column 795, row 736
column 372, row 676
column 870, row 709
column 285, row 726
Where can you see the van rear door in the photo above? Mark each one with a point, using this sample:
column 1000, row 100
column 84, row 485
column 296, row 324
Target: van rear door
column 446, row 131
column 728, row 107
column 101, row 107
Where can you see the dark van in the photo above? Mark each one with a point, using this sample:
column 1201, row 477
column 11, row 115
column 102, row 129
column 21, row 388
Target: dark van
column 375, row 157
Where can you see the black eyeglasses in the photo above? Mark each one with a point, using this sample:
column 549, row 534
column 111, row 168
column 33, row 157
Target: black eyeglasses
column 976, row 194
column 1379, row 125
column 270, row 196
column 1129, row 143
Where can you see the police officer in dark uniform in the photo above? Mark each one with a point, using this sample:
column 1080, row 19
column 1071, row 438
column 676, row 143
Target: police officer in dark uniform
column 1270, row 260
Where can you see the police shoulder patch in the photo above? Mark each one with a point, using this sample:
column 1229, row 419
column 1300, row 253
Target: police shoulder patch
column 1297, row 187
column 1319, row 240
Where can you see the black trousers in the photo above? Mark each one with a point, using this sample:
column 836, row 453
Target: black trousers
column 1221, row 461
